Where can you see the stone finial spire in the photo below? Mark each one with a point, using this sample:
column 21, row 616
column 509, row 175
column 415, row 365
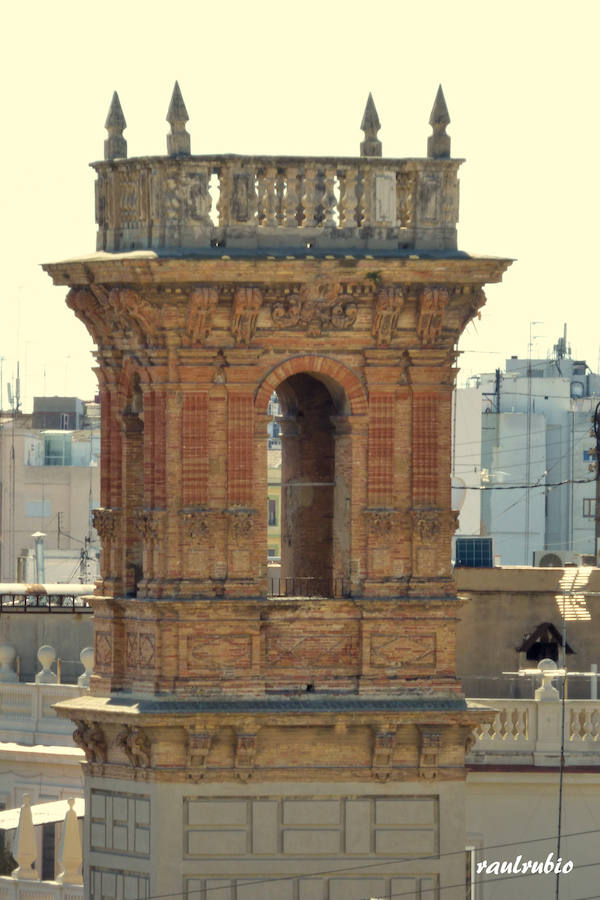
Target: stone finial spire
column 178, row 142
column 438, row 144
column 115, row 146
column 370, row 125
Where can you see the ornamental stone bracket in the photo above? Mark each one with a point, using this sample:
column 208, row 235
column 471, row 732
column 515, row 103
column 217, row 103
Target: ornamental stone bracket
column 247, row 302
column 245, row 753
column 136, row 745
column 387, row 308
column 240, row 522
column 203, row 301
column 195, row 523
column 315, row 308
column 91, row 739
column 198, row 747
column 429, row 752
column 384, row 742
column 431, row 309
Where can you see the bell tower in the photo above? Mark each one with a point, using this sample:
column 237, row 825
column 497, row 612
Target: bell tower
column 307, row 746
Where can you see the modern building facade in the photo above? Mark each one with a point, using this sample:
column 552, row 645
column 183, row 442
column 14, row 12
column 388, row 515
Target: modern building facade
column 316, row 744
column 534, row 459
column 49, row 485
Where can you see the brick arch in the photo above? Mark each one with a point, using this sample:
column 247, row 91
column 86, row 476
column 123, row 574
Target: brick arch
column 328, row 369
column 129, row 370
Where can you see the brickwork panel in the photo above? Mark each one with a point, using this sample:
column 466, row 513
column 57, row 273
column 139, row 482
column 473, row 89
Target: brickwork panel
column 194, row 449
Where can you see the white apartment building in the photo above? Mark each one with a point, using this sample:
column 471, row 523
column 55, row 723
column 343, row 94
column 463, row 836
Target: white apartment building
column 522, row 451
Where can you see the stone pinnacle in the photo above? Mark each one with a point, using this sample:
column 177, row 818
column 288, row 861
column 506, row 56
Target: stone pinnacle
column 115, row 146
column 178, row 141
column 438, row 144
column 370, row 125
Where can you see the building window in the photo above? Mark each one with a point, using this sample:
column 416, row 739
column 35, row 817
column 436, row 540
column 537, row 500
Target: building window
column 57, row 449
column 64, row 421
column 272, row 513
column 589, row 507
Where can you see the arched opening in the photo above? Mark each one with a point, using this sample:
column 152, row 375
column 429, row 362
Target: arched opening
column 314, row 500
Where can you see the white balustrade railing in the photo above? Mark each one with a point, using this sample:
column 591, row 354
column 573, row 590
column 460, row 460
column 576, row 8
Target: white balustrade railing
column 535, row 727
column 27, row 717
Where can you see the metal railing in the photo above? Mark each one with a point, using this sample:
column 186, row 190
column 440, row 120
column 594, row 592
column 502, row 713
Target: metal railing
column 307, row 586
column 47, row 598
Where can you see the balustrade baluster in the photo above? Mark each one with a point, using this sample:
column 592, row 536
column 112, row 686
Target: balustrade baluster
column 225, row 188
column 309, row 197
column 329, row 201
column 348, row 199
column 268, row 198
column 595, row 720
column 291, row 198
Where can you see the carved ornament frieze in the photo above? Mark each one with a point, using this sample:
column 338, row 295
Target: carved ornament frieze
column 316, row 308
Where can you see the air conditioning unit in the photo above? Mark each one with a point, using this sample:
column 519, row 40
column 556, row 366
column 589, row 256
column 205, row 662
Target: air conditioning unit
column 557, row 558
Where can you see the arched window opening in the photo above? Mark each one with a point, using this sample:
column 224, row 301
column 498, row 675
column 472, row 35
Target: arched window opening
column 308, row 503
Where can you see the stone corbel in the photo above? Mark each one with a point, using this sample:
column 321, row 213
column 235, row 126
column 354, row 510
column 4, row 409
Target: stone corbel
column 431, row 310
column 202, row 304
column 246, row 305
column 384, row 742
column 91, row 739
column 429, row 752
column 245, row 752
column 198, row 748
column 136, row 745
column 387, row 308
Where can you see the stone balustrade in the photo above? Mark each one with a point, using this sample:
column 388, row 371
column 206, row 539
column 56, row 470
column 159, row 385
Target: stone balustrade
column 529, row 732
column 304, row 204
column 27, row 717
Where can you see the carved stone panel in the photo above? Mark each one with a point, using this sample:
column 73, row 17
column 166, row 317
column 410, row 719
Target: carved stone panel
column 409, row 653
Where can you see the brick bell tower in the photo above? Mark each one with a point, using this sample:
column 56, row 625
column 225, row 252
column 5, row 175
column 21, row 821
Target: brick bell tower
column 243, row 746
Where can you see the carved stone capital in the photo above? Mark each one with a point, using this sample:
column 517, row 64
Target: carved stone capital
column 195, row 523
column 147, row 524
column 381, row 522
column 428, row 522
column 240, row 522
column 107, row 523
column 130, row 314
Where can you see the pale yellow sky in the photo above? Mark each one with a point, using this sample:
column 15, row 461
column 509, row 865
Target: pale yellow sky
column 520, row 79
